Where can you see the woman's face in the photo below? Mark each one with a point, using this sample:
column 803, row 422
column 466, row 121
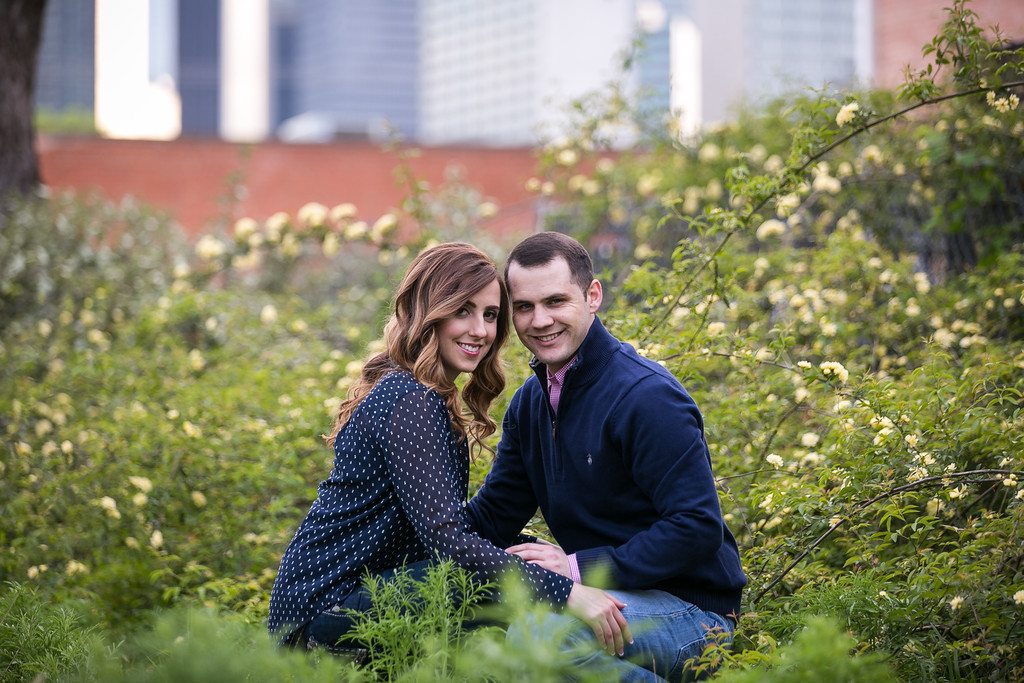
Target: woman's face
column 466, row 337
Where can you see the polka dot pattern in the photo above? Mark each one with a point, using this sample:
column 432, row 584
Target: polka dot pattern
column 396, row 494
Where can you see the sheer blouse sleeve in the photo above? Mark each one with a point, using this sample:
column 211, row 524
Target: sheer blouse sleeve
column 430, row 477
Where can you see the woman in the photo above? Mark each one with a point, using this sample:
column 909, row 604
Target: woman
column 401, row 442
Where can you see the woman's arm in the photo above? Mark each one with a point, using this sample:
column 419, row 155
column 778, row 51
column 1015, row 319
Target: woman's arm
column 430, row 478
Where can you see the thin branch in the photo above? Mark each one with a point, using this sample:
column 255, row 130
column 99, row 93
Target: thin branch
column 803, row 167
column 920, row 483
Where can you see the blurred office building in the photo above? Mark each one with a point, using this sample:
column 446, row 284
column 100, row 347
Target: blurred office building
column 475, row 72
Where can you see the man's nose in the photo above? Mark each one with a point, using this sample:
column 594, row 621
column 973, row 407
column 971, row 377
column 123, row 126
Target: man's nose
column 541, row 317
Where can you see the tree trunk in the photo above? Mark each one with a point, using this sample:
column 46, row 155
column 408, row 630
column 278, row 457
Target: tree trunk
column 21, row 30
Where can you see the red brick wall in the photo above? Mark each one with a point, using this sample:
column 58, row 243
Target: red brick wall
column 189, row 177
column 903, row 27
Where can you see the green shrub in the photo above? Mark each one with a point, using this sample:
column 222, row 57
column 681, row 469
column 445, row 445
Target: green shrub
column 39, row 640
column 81, row 262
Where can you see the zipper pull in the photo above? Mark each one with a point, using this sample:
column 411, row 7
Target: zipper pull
column 553, row 424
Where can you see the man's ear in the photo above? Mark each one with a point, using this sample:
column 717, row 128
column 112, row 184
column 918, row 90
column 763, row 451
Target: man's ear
column 594, row 296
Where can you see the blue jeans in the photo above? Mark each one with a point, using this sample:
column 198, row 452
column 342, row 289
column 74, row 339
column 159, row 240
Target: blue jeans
column 666, row 631
column 328, row 627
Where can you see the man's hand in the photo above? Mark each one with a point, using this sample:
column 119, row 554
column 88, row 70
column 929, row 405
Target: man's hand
column 543, row 554
column 602, row 612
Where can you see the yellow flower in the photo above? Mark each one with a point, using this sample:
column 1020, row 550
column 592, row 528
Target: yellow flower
column 709, row 152
column 835, row 369
column 331, row 245
column 276, row 225
column 191, row 430
column 245, row 228
column 75, row 567
column 384, row 225
column 196, row 360
column 109, row 506
column 312, row 214
column 209, row 247
column 198, row 498
column 567, row 157
column 141, row 483
column 770, row 228
column 847, row 113
column 356, row 231
column 343, row 212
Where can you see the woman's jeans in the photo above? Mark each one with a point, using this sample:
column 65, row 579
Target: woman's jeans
column 327, row 628
column 666, row 631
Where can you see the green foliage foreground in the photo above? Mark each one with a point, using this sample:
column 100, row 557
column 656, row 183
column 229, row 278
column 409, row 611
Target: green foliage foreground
column 841, row 290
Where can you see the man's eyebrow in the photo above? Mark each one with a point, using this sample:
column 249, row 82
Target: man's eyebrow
column 549, row 297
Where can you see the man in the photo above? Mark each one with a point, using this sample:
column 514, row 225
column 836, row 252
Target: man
column 611, row 448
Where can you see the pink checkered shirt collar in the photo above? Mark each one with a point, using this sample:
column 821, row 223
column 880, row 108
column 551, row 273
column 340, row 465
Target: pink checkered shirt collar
column 555, row 380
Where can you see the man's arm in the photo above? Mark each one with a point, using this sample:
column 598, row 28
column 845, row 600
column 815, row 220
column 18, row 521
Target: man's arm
column 506, row 501
column 659, row 432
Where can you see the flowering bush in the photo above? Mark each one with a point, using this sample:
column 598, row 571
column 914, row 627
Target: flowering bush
column 841, row 290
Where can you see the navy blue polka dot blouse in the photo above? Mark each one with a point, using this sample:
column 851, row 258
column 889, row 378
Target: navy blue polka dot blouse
column 396, row 494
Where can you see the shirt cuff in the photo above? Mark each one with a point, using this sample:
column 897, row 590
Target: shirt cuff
column 574, row 569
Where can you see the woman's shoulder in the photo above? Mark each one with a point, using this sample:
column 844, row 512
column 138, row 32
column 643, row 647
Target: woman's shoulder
column 395, row 385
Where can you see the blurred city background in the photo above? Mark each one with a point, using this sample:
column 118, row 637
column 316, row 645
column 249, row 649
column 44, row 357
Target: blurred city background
column 313, row 88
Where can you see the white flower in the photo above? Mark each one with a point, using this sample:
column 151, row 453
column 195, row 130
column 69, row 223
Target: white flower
column 770, row 228
column 384, row 225
column 809, row 440
column 847, row 113
column 1018, row 597
column 209, row 247
column 343, row 211
column 312, row 214
column 198, row 498
column 835, row 369
column 196, row 360
column 157, row 539
column 567, row 157
column 774, row 460
column 955, row 603
column 268, row 314
column 245, row 228
column 75, row 567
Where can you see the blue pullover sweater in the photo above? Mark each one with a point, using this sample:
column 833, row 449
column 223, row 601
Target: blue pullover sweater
column 622, row 476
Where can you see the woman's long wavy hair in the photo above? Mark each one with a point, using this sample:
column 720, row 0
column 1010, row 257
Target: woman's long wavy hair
column 438, row 283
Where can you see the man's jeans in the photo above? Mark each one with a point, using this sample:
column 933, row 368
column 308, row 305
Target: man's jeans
column 666, row 631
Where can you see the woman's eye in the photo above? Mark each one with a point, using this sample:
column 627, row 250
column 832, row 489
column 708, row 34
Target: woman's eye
column 491, row 315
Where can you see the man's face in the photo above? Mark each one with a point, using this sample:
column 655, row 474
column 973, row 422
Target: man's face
column 551, row 314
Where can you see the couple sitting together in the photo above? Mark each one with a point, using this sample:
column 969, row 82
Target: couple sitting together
column 607, row 444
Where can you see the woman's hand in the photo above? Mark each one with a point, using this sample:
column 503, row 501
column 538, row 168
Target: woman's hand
column 603, row 613
column 543, row 554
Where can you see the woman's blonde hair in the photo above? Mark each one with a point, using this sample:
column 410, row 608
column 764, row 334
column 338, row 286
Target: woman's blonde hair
column 438, row 283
